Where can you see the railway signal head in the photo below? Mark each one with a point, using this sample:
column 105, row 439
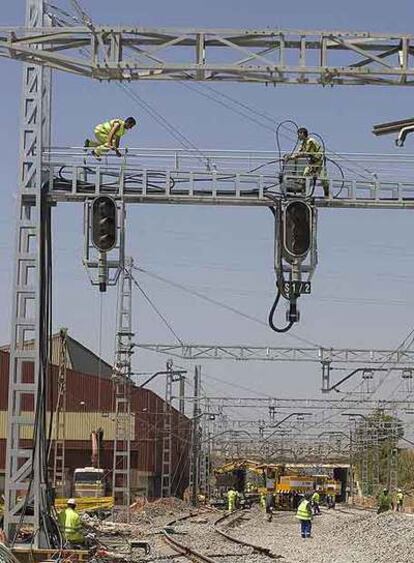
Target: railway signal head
column 297, row 230
column 104, row 223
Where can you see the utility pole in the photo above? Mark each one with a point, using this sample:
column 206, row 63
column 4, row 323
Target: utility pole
column 121, row 482
column 60, row 420
column 195, row 442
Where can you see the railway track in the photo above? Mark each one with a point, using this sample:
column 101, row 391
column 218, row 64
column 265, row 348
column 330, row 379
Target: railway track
column 201, row 538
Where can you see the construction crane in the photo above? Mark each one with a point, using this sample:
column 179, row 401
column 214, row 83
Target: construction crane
column 267, row 56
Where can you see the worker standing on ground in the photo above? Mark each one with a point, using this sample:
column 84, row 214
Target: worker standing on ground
column 384, row 502
column 262, row 499
column 316, row 499
column 311, row 149
column 108, row 136
column 400, row 500
column 270, row 505
column 70, row 525
column 231, row 499
column 304, row 514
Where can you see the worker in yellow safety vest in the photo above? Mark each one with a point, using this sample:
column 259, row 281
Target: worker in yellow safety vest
column 263, row 499
column 108, row 136
column 70, row 524
column 312, row 150
column 315, row 500
column 304, row 515
column 400, row 500
column 231, row 499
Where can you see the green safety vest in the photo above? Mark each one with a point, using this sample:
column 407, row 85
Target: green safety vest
column 303, row 512
column 70, row 525
column 106, row 128
column 400, row 497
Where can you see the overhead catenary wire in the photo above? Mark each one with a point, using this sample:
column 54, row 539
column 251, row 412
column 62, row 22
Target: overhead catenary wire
column 155, row 308
column 215, row 302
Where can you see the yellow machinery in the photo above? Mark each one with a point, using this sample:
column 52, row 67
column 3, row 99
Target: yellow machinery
column 308, row 483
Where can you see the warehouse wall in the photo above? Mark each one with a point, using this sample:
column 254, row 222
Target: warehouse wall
column 89, row 405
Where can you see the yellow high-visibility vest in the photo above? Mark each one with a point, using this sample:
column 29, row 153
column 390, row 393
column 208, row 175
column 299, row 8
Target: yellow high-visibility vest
column 303, row 512
column 70, row 525
column 106, row 127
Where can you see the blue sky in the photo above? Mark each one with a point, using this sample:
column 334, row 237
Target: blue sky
column 362, row 289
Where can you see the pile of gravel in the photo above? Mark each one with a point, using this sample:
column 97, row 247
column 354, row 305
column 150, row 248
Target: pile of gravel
column 340, row 536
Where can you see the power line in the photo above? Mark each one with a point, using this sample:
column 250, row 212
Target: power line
column 216, row 302
column 157, row 311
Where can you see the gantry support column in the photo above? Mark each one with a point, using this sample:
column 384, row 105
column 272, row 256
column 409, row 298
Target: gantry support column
column 121, row 485
column 195, row 442
column 166, row 477
column 26, row 455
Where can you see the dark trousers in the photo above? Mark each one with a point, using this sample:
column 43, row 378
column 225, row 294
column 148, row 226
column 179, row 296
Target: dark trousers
column 316, row 508
column 305, row 528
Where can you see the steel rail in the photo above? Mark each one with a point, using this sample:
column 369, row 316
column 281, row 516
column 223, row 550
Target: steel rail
column 179, row 547
column 195, row 555
column 257, row 548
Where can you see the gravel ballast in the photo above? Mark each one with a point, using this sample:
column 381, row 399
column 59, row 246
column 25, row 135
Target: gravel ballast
column 338, row 536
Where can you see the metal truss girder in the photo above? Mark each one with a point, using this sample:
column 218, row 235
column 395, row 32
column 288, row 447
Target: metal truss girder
column 200, row 185
column 269, row 56
column 296, row 404
column 278, row 354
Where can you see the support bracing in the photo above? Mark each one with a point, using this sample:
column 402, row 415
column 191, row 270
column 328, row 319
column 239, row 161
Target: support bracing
column 60, row 420
column 26, row 456
column 121, row 486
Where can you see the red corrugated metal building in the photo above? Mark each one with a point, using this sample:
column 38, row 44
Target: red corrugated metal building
column 89, row 406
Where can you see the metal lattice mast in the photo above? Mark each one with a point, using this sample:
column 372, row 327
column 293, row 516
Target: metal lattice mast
column 60, row 420
column 376, row 462
column 121, row 486
column 194, row 480
column 166, row 468
column 26, row 459
column 393, row 458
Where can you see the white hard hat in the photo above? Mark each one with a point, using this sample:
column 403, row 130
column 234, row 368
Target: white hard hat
column 71, row 501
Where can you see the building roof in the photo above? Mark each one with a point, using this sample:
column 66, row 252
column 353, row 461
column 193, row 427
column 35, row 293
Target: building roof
column 78, row 357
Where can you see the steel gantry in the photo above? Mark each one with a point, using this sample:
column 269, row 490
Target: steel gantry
column 269, row 56
column 190, row 177
column 128, row 53
column 240, row 352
